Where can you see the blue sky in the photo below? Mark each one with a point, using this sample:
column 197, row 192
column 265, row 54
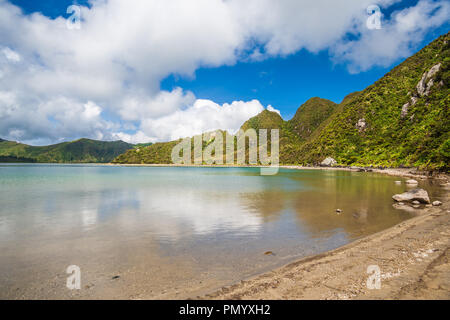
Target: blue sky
column 283, row 82
column 284, row 79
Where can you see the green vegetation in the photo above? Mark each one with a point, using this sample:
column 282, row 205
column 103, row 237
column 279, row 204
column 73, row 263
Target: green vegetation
column 265, row 120
column 142, row 145
column 391, row 123
column 419, row 138
column 310, row 115
column 79, row 151
column 368, row 127
column 159, row 153
column 400, row 120
column 154, row 154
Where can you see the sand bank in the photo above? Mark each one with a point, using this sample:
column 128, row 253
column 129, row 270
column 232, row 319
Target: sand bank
column 413, row 258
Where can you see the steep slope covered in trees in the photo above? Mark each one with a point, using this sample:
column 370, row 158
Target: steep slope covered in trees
column 400, row 120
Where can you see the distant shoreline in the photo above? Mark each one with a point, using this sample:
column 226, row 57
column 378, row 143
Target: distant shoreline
column 399, row 172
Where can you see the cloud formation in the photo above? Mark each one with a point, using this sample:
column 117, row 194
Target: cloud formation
column 103, row 80
column 397, row 38
column 202, row 116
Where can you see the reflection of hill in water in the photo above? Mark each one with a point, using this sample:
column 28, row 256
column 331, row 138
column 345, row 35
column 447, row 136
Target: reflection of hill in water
column 364, row 198
column 173, row 222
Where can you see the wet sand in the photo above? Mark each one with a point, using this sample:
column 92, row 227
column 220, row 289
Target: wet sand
column 413, row 257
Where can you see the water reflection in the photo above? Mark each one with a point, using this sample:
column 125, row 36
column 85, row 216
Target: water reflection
column 173, row 203
column 89, row 217
column 365, row 201
column 222, row 218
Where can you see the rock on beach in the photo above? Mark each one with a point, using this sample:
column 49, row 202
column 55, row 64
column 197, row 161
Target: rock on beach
column 412, row 195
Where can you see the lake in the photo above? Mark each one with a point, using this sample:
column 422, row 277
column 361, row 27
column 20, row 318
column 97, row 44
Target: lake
column 176, row 232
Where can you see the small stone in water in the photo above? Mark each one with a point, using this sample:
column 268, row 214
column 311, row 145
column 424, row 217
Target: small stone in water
column 415, row 202
column 338, row 210
column 437, row 203
column 269, row 253
column 115, row 277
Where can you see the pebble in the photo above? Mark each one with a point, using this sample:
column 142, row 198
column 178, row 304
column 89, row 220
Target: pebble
column 437, row 203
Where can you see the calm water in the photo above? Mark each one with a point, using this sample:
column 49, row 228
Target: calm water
column 168, row 229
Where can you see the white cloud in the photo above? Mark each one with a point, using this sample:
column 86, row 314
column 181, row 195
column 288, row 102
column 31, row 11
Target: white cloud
column 397, row 38
column 51, row 121
column 286, row 26
column 138, row 106
column 102, row 80
column 11, row 55
column 91, row 110
column 270, row 108
column 202, row 116
column 138, row 137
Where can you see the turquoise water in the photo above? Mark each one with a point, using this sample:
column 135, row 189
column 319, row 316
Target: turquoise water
column 201, row 224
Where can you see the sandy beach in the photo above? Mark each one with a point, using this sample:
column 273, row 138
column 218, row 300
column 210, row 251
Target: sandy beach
column 413, row 258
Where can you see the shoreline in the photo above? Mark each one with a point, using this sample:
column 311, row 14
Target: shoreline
column 418, row 269
column 399, row 172
column 413, row 257
column 411, row 172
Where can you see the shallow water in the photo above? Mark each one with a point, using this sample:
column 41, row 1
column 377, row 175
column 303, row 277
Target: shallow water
column 168, row 230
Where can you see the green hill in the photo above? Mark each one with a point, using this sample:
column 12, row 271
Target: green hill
column 400, row 120
column 265, row 120
column 310, row 115
column 79, row 151
column 160, row 153
column 156, row 153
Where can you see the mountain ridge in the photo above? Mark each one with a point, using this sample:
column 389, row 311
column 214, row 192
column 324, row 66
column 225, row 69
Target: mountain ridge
column 78, row 151
column 396, row 121
column 402, row 119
